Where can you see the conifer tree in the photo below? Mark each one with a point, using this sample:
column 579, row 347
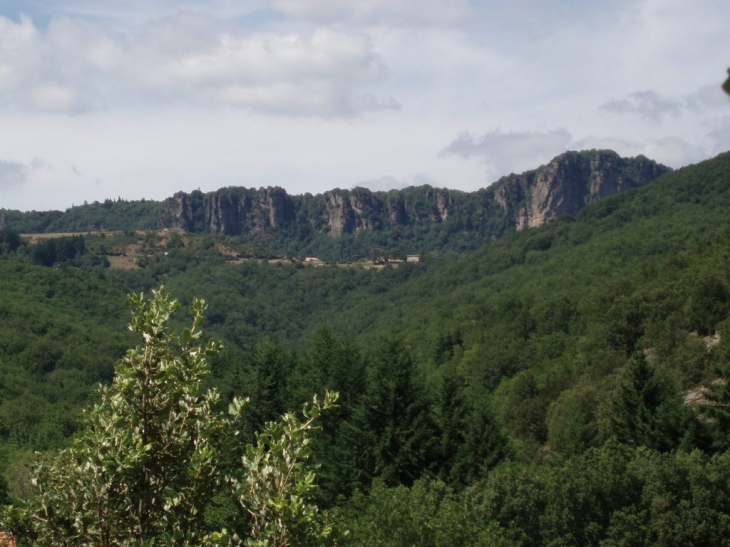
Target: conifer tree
column 399, row 439
column 264, row 382
column 472, row 442
column 452, row 419
column 647, row 410
column 334, row 363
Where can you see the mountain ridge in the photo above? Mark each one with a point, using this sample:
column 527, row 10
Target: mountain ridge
column 547, row 329
column 342, row 223
column 567, row 183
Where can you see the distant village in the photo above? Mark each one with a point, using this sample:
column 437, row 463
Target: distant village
column 381, row 261
column 134, row 249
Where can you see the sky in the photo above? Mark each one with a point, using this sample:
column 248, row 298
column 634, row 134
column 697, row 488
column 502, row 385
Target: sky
column 132, row 99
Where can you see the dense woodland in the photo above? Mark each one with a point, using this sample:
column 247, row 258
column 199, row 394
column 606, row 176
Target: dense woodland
column 559, row 386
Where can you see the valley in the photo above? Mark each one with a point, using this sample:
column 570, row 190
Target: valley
column 486, row 395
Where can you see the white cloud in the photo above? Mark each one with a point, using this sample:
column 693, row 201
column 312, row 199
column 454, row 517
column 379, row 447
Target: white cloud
column 709, row 97
column 647, row 104
column 315, row 73
column 12, row 175
column 671, row 151
column 512, row 151
column 127, row 15
column 382, row 184
column 295, row 73
column 75, row 66
column 282, row 92
column 515, row 152
column 401, row 12
column 654, row 107
column 55, row 70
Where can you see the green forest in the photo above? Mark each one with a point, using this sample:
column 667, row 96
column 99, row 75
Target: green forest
column 565, row 385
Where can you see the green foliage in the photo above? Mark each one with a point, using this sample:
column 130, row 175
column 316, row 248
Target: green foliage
column 427, row 515
column 275, row 488
column 4, row 494
column 708, row 303
column 61, row 333
column 110, row 215
column 513, row 498
column 564, row 336
column 472, row 442
column 55, row 251
column 715, row 404
column 9, row 241
column 528, row 409
column 647, row 410
column 609, row 496
column 571, row 421
column 398, row 435
column 334, row 363
column 148, row 459
column 263, row 381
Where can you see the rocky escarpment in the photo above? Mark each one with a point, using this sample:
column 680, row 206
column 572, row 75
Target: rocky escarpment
column 565, row 185
column 570, row 182
column 342, row 224
column 348, row 211
column 232, row 211
column 265, row 211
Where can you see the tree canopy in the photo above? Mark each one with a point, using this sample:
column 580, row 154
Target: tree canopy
column 148, row 459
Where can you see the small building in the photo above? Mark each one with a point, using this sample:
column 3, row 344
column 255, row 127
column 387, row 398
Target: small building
column 413, row 258
column 313, row 260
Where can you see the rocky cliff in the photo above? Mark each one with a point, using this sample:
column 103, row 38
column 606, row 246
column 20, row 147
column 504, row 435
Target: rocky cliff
column 344, row 224
column 565, row 185
column 569, row 182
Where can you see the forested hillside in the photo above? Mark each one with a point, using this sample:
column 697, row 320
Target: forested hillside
column 357, row 224
column 560, row 385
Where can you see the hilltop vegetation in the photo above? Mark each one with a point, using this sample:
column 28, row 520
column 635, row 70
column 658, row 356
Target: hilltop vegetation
column 355, row 224
column 531, row 392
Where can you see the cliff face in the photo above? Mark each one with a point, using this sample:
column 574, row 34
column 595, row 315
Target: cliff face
column 565, row 185
column 232, row 211
column 572, row 180
column 350, row 211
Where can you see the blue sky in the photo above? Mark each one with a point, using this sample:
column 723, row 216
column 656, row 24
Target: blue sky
column 105, row 99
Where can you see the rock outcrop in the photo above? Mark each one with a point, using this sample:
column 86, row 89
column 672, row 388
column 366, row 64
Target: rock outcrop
column 573, row 180
column 232, row 211
column 343, row 224
column 565, row 185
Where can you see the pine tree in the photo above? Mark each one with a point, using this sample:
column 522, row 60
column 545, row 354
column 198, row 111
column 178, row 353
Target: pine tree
column 472, row 442
column 647, row 410
column 453, row 412
column 398, row 436
column 265, row 384
column 334, row 363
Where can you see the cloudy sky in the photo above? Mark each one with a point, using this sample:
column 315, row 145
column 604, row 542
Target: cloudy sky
column 142, row 98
